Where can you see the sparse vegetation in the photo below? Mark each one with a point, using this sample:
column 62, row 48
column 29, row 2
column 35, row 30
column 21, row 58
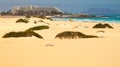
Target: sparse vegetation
column 38, row 28
column 108, row 26
column 73, row 35
column 22, row 34
column 50, row 19
column 41, row 21
column 28, row 33
column 99, row 25
column 22, row 20
column 28, row 16
column 42, row 17
column 35, row 22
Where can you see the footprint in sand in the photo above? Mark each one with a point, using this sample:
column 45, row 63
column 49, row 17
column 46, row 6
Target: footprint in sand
column 49, row 45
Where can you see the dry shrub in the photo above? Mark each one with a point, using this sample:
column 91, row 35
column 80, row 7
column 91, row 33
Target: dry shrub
column 22, row 20
column 73, row 35
column 99, row 25
column 38, row 28
column 22, row 34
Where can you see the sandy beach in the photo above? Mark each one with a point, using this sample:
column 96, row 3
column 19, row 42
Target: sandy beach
column 51, row 52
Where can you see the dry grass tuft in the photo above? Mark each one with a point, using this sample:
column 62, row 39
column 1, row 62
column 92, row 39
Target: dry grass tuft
column 22, row 21
column 38, row 28
column 99, row 25
column 22, row 34
column 73, row 35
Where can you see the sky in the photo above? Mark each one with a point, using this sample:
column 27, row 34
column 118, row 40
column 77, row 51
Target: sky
column 73, row 6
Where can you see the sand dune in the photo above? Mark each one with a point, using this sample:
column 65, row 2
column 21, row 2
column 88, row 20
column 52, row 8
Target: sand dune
column 51, row 52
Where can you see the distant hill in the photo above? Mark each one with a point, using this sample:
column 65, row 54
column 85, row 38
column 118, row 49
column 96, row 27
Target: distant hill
column 102, row 11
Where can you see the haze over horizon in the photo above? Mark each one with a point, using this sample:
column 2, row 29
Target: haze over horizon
column 74, row 6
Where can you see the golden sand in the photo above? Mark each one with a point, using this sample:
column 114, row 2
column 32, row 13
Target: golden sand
column 51, row 52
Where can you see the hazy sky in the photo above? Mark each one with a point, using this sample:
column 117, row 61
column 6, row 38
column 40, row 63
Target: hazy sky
column 65, row 5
